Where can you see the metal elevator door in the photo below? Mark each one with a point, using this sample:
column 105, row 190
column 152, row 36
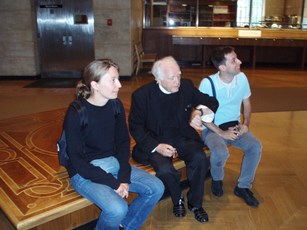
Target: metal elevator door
column 65, row 36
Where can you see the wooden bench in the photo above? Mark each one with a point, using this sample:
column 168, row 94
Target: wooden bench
column 35, row 191
column 80, row 211
column 84, row 211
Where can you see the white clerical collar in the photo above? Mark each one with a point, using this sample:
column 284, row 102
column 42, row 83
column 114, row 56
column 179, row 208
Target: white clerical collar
column 164, row 90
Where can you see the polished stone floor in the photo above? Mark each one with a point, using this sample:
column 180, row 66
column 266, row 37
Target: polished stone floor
column 281, row 179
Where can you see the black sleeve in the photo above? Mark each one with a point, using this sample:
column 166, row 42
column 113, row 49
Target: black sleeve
column 122, row 142
column 138, row 124
column 200, row 98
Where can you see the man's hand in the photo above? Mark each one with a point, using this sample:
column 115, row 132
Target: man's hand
column 234, row 132
column 243, row 129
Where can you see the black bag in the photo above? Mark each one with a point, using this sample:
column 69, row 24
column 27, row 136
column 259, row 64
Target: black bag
column 228, row 124
column 61, row 143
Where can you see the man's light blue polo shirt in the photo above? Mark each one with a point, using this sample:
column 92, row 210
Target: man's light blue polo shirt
column 229, row 96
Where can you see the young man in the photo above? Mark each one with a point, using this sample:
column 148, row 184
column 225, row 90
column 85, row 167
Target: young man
column 232, row 90
column 159, row 121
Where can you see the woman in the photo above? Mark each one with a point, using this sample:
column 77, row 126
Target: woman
column 99, row 152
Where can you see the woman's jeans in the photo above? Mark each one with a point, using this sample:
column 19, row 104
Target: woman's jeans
column 114, row 209
column 219, row 154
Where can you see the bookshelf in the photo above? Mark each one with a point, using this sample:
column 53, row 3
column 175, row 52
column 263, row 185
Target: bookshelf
column 218, row 13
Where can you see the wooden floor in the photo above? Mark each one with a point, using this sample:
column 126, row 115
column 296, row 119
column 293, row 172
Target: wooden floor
column 281, row 179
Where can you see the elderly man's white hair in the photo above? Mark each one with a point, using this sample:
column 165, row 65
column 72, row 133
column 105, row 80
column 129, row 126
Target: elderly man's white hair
column 157, row 66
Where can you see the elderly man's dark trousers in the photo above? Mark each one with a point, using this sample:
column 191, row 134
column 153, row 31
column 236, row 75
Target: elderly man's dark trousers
column 197, row 164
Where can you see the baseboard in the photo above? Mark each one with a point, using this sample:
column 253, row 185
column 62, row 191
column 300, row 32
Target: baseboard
column 13, row 78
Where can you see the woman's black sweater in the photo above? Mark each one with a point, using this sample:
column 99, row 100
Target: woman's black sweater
column 105, row 135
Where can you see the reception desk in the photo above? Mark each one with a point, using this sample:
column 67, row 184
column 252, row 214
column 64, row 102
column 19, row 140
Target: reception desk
column 252, row 43
column 254, row 47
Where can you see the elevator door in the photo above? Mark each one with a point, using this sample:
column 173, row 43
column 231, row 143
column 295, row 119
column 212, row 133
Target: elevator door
column 66, row 37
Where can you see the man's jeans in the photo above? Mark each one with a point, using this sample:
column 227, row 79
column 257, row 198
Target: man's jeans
column 219, row 153
column 115, row 209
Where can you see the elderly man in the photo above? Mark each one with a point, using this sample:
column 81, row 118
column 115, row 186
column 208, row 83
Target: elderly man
column 161, row 121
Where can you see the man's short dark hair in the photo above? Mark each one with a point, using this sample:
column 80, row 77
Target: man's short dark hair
column 218, row 55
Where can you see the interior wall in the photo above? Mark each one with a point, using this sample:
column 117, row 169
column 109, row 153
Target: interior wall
column 18, row 40
column 117, row 41
column 294, row 7
column 18, row 35
column 283, row 7
column 136, row 26
column 277, row 10
column 113, row 41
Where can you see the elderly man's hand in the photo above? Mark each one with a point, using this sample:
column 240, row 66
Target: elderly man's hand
column 196, row 121
column 167, row 150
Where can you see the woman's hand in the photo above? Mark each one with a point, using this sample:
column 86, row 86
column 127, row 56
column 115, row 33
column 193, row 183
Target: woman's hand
column 123, row 190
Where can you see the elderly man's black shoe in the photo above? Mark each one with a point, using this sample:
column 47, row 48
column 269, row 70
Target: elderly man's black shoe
column 199, row 213
column 179, row 209
column 247, row 196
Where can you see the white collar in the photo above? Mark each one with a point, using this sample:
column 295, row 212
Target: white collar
column 229, row 86
column 221, row 84
column 164, row 90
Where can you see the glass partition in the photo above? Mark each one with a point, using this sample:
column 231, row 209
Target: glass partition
column 304, row 21
column 290, row 14
column 170, row 13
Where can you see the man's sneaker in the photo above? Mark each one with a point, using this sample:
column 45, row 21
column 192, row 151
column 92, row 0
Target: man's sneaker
column 247, row 196
column 217, row 188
